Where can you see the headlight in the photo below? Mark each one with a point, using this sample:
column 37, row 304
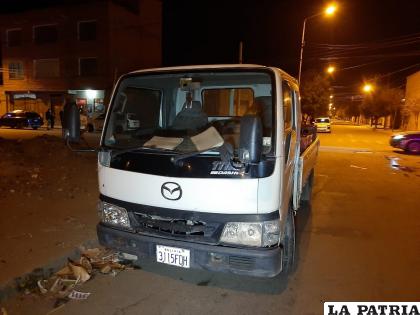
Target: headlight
column 398, row 137
column 114, row 215
column 104, row 158
column 259, row 234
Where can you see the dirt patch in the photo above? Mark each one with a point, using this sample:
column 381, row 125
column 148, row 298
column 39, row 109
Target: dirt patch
column 48, row 198
column 44, row 165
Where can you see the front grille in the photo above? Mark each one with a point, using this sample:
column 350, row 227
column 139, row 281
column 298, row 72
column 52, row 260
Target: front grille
column 170, row 225
column 241, row 262
column 184, row 229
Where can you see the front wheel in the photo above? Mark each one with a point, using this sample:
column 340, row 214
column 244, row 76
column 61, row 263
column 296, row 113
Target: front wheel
column 288, row 243
column 306, row 196
column 414, row 147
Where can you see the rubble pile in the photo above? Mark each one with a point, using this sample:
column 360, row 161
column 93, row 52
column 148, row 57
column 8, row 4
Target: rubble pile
column 65, row 284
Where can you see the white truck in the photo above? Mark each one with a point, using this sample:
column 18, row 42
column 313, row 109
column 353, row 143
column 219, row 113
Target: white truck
column 213, row 174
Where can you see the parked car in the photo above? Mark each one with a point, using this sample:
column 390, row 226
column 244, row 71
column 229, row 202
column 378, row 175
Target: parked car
column 96, row 123
column 21, row 119
column 408, row 141
column 323, row 124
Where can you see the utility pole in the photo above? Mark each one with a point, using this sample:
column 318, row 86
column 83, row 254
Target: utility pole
column 240, row 51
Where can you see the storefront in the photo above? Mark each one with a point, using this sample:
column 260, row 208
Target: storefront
column 89, row 101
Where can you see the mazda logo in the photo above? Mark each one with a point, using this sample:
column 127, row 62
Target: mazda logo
column 171, row 191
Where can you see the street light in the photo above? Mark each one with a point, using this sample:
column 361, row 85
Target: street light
column 330, row 69
column 368, row 88
column 329, row 11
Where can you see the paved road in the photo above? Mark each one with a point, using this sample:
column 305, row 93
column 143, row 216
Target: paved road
column 359, row 242
column 26, row 133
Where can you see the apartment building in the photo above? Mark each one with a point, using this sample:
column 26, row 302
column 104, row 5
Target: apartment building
column 412, row 102
column 75, row 47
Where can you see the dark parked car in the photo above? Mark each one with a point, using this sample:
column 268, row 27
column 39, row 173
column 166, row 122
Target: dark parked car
column 96, row 123
column 408, row 141
column 21, row 119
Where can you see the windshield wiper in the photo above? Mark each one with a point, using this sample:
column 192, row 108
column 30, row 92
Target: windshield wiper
column 132, row 149
column 225, row 151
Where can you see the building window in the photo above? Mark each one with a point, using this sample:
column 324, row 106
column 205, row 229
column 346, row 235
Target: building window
column 16, row 71
column 14, row 37
column 46, row 68
column 88, row 67
column 87, row 30
column 44, row 34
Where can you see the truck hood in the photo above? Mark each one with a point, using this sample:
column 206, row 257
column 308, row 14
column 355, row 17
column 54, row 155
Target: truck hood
column 224, row 195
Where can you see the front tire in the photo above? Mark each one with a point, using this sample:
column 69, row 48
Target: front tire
column 306, row 196
column 288, row 243
column 414, row 147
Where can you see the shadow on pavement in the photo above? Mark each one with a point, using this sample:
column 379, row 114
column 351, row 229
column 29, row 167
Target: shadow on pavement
column 249, row 284
column 402, row 152
column 273, row 286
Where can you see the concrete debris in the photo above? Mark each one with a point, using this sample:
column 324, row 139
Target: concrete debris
column 61, row 285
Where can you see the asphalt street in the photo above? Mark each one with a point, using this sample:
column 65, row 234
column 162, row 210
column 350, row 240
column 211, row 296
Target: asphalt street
column 360, row 241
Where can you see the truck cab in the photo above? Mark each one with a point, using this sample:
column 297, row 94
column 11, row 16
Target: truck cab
column 207, row 172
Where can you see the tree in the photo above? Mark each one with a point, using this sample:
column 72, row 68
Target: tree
column 315, row 93
column 349, row 108
column 411, row 107
column 383, row 102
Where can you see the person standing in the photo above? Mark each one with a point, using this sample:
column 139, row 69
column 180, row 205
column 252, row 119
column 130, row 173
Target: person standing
column 62, row 118
column 48, row 118
column 52, row 119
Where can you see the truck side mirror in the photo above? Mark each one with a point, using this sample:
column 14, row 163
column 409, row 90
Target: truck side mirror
column 71, row 128
column 250, row 139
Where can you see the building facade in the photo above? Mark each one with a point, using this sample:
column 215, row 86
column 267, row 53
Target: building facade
column 76, row 48
column 411, row 117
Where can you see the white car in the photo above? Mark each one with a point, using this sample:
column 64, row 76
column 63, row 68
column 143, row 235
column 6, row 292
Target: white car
column 96, row 123
column 323, row 124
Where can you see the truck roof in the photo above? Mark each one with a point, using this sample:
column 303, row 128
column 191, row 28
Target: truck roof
column 214, row 66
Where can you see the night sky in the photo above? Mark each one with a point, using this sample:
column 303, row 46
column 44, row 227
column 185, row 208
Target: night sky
column 208, row 32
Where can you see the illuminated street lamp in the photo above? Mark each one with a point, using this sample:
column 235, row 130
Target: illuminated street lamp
column 329, row 11
column 368, row 88
column 330, row 69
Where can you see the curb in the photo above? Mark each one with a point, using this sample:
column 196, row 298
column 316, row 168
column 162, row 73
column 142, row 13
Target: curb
column 28, row 280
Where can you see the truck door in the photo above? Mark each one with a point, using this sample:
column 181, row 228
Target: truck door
column 290, row 138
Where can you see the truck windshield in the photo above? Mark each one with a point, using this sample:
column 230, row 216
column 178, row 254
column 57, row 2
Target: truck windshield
column 187, row 112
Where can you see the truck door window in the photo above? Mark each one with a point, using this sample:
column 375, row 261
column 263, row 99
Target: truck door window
column 287, row 105
column 228, row 102
column 225, row 107
column 287, row 117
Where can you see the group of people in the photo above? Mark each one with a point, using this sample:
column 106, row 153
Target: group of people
column 50, row 117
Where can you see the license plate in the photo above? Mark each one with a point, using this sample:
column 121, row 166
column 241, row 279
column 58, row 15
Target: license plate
column 174, row 256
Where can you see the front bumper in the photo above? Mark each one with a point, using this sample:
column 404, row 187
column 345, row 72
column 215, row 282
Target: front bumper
column 323, row 129
column 264, row 262
column 396, row 143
